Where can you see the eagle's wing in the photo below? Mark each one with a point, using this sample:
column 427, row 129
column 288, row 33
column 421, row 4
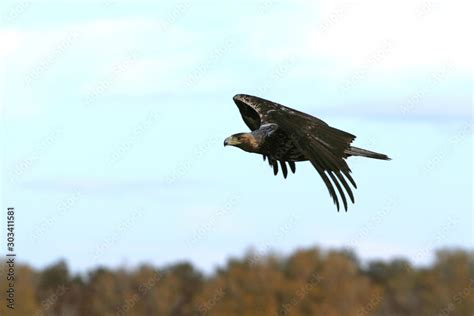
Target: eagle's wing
column 255, row 110
column 251, row 112
column 323, row 145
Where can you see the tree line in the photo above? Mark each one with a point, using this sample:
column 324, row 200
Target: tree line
column 306, row 282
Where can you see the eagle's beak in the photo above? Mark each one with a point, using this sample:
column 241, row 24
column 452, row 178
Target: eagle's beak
column 229, row 141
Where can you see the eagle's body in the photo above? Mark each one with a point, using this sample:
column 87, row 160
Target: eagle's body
column 285, row 136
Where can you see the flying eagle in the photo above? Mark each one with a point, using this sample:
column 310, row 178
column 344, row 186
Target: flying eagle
column 285, row 136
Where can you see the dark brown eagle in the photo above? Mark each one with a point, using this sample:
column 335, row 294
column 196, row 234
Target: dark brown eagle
column 284, row 136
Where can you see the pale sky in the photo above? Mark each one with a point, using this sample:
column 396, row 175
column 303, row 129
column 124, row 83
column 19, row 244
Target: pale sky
column 114, row 114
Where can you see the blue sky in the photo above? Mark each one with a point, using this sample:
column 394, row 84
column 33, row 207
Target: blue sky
column 114, row 114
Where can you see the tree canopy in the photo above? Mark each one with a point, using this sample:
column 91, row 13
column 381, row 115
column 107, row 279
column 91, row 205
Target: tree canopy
column 307, row 282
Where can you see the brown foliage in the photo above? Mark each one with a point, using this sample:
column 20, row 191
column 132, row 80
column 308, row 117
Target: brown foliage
column 309, row 282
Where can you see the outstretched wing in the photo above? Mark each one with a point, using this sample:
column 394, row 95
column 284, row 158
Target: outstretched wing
column 252, row 111
column 255, row 111
column 323, row 145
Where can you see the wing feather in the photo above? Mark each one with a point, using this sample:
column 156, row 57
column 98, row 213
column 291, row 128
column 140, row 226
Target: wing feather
column 292, row 166
column 275, row 167
column 284, row 168
column 338, row 186
column 325, row 178
column 324, row 147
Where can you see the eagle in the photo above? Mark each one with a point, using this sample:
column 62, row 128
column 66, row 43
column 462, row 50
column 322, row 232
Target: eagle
column 284, row 136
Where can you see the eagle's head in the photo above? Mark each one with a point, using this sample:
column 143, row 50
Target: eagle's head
column 244, row 141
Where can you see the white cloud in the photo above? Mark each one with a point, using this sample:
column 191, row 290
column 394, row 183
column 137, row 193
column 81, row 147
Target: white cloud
column 419, row 38
column 348, row 34
column 345, row 40
column 90, row 51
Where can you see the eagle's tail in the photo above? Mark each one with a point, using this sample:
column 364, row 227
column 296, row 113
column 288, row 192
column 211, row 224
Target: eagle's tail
column 354, row 151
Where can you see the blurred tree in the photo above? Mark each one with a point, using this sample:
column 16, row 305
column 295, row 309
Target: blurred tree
column 397, row 279
column 185, row 283
column 106, row 293
column 308, row 282
column 26, row 302
column 243, row 287
column 52, row 287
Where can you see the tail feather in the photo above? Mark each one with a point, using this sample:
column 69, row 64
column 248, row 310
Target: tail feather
column 354, row 151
